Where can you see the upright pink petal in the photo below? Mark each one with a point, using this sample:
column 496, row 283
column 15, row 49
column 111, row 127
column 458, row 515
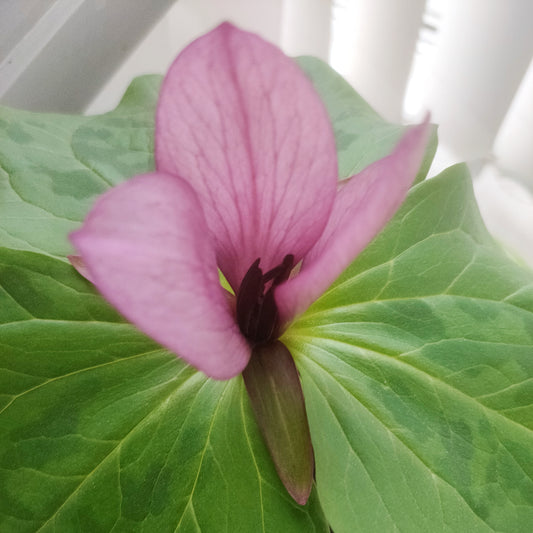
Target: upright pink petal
column 362, row 207
column 147, row 249
column 243, row 125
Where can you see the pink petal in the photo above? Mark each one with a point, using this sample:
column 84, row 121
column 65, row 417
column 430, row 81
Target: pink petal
column 146, row 247
column 363, row 206
column 79, row 264
column 241, row 122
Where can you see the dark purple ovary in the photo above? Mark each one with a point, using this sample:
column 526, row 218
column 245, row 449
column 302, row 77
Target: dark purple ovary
column 257, row 313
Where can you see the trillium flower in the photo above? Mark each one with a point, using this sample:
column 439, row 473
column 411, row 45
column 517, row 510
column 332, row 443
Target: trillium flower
column 246, row 182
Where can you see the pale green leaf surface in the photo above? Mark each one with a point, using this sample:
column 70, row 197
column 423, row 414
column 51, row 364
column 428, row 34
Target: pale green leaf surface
column 417, row 369
column 416, row 365
column 362, row 136
column 52, row 167
column 102, row 430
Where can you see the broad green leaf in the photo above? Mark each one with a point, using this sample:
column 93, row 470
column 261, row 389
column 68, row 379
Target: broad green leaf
column 102, row 430
column 52, row 167
column 416, row 366
column 417, row 369
column 361, row 135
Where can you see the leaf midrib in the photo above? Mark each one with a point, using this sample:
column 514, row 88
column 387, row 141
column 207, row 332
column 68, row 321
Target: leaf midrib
column 412, row 368
column 392, row 433
column 120, row 442
column 317, row 312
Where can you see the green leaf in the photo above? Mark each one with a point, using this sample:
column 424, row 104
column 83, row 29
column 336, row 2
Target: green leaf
column 416, row 365
column 417, row 369
column 52, row 167
column 361, row 135
column 101, row 429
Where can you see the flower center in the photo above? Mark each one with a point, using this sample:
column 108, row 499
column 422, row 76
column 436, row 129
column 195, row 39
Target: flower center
column 257, row 313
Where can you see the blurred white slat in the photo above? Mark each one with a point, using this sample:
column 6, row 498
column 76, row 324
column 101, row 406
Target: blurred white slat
column 513, row 147
column 306, row 28
column 373, row 46
column 16, row 17
column 483, row 50
column 60, row 61
column 184, row 22
column 507, row 209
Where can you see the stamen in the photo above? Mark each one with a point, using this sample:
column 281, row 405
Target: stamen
column 251, row 289
column 257, row 313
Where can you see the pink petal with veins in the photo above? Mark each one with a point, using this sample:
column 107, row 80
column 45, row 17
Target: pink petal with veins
column 147, row 249
column 244, row 126
column 362, row 208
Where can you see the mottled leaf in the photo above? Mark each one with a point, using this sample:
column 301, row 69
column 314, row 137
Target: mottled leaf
column 102, row 430
column 361, row 134
column 417, row 365
column 417, row 370
column 52, row 167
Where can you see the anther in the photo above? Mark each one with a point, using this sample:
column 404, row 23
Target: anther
column 257, row 313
